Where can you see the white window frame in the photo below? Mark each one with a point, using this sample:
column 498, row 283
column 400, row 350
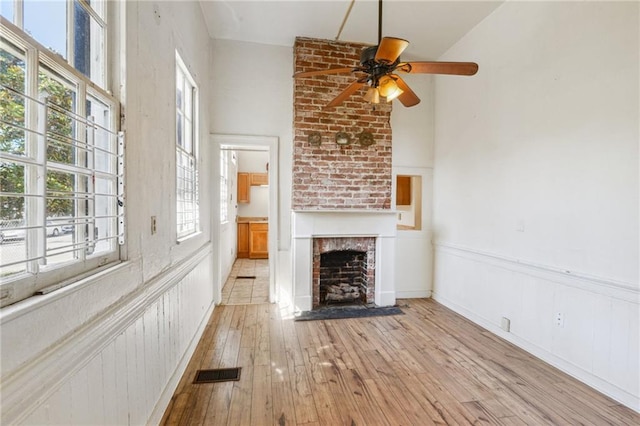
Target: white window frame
column 187, row 191
column 38, row 277
column 100, row 21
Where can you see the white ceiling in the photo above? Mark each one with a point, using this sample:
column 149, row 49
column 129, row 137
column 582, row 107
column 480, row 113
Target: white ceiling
column 431, row 26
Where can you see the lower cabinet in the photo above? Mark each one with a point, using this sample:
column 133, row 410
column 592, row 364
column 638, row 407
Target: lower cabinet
column 258, row 240
column 243, row 240
column 253, row 240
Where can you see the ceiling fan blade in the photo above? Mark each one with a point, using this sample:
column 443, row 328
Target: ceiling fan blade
column 390, row 49
column 454, row 68
column 350, row 90
column 322, row 72
column 408, row 97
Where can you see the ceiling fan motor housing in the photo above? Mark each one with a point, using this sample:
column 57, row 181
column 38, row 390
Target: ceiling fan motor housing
column 368, row 54
column 375, row 69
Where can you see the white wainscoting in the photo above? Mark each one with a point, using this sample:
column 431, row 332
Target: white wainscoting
column 598, row 340
column 122, row 367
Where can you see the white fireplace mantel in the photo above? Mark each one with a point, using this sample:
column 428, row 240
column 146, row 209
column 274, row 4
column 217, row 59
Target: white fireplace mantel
column 310, row 224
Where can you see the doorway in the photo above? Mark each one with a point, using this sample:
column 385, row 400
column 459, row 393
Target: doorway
column 245, row 233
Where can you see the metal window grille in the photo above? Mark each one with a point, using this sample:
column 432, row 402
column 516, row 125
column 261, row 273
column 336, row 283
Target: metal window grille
column 187, row 194
column 61, row 168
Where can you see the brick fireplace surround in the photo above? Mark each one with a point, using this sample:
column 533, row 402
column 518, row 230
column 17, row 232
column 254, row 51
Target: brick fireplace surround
column 341, row 192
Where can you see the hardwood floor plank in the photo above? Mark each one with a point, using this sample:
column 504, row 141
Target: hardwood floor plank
column 303, row 397
column 482, row 415
column 283, row 407
column 393, row 412
column 250, row 326
column 429, row 366
column 241, row 396
column 179, row 404
column 512, row 421
column 329, row 369
column 263, row 338
column 219, row 405
column 262, row 396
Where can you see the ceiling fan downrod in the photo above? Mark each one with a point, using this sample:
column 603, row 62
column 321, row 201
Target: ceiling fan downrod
column 379, row 21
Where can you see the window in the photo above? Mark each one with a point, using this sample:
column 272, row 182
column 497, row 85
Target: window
column 61, row 165
column 187, row 211
column 74, row 30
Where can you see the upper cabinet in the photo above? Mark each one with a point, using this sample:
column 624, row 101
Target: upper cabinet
column 258, row 179
column 244, row 182
column 403, row 191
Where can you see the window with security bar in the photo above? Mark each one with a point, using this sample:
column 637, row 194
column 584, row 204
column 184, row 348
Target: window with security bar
column 61, row 156
column 187, row 198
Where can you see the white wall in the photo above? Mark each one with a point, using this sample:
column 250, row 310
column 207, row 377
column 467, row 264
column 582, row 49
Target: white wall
column 228, row 238
column 252, row 94
column 536, row 185
column 254, row 162
column 412, row 130
column 129, row 330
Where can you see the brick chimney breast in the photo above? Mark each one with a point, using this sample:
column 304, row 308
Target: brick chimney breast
column 330, row 176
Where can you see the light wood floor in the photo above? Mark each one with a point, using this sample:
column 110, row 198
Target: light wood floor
column 429, row 366
column 239, row 290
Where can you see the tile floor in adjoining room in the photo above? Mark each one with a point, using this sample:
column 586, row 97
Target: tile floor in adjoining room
column 239, row 290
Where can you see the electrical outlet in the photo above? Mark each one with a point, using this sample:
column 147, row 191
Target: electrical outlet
column 559, row 319
column 154, row 228
column 505, row 324
column 399, row 216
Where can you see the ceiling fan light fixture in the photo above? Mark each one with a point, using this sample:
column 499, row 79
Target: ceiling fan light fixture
column 395, row 94
column 372, row 95
column 387, row 86
column 380, row 63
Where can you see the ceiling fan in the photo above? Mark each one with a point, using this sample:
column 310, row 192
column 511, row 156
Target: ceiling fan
column 379, row 65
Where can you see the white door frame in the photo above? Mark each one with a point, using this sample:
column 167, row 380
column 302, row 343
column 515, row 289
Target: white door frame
column 247, row 141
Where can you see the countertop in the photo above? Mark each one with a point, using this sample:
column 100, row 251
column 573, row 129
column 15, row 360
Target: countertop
column 242, row 219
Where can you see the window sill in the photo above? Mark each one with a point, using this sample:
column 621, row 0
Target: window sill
column 186, row 238
column 30, row 304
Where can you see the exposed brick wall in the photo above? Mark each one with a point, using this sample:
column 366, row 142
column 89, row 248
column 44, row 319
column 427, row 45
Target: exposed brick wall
column 332, row 176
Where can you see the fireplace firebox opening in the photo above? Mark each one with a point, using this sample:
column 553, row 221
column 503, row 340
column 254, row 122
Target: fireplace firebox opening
column 343, row 271
column 343, row 277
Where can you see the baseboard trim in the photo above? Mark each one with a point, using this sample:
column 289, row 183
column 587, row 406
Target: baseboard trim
column 606, row 286
column 172, row 385
column 584, row 376
column 386, row 298
column 417, row 294
column 24, row 389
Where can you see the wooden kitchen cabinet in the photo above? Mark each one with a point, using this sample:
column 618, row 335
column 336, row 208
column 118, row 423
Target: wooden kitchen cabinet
column 244, row 187
column 403, row 191
column 243, row 240
column 258, row 240
column 258, row 179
